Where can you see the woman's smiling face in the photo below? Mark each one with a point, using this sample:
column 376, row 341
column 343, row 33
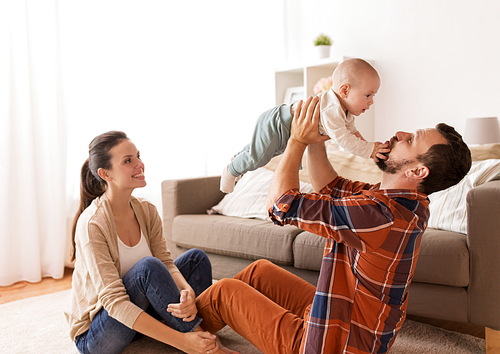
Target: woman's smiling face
column 127, row 168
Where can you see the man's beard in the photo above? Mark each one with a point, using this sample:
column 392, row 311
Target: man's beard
column 391, row 167
column 388, row 165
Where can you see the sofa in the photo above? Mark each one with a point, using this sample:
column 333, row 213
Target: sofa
column 457, row 277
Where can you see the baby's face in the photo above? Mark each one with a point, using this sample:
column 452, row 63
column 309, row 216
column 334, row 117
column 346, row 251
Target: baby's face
column 360, row 96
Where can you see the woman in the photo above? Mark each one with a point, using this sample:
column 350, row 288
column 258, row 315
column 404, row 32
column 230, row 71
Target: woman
column 125, row 280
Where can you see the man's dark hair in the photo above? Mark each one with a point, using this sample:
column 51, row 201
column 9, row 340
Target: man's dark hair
column 447, row 163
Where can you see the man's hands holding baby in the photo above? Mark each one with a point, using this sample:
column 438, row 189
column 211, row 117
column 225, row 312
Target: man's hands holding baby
column 305, row 127
column 306, row 122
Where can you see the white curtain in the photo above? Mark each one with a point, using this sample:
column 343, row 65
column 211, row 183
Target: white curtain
column 186, row 80
column 32, row 144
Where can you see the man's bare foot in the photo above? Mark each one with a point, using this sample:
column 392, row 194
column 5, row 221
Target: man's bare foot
column 223, row 349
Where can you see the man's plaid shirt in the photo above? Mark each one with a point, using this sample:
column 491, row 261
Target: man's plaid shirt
column 373, row 241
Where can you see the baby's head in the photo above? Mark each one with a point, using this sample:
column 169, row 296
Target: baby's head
column 355, row 82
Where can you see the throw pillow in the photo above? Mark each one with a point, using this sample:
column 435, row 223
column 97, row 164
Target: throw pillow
column 448, row 207
column 248, row 199
column 485, row 152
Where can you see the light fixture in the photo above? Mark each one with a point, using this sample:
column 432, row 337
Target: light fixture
column 482, row 131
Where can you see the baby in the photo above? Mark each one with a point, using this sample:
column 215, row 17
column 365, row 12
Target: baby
column 355, row 83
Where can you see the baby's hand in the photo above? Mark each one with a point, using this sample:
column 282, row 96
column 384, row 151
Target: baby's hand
column 379, row 150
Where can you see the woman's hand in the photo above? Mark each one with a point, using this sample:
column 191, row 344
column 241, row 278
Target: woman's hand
column 186, row 309
column 199, row 342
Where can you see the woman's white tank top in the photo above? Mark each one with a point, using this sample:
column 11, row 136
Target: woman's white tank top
column 130, row 255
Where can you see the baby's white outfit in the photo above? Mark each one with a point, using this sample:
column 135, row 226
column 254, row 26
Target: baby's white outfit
column 340, row 127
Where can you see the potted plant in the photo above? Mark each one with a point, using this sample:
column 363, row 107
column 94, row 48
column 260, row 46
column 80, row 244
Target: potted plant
column 323, row 43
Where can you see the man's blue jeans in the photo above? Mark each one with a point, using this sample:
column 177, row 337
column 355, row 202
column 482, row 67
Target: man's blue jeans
column 151, row 287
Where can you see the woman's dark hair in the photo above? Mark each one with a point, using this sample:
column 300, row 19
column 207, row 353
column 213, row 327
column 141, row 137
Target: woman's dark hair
column 91, row 184
column 447, row 163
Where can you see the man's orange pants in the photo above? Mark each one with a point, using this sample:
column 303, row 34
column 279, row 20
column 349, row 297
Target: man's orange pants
column 263, row 303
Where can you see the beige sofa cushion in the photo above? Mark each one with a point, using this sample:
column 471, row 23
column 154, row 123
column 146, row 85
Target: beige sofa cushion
column 237, row 237
column 308, row 251
column 443, row 259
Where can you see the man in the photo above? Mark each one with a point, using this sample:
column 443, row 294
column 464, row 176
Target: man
column 373, row 237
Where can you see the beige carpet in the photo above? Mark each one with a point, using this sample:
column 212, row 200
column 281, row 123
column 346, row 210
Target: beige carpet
column 37, row 325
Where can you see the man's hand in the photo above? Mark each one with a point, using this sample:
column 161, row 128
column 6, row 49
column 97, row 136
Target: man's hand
column 186, row 309
column 305, row 131
column 305, row 124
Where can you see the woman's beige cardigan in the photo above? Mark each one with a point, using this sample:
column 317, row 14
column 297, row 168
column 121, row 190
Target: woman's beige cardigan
column 96, row 278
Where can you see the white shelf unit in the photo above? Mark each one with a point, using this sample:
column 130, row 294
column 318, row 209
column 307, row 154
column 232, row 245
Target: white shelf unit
column 307, row 77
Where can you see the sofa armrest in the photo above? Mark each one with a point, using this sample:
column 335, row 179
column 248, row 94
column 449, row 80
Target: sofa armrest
column 188, row 196
column 483, row 240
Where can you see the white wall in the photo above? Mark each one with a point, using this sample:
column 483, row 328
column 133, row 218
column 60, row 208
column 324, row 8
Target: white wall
column 186, row 80
column 129, row 67
column 438, row 60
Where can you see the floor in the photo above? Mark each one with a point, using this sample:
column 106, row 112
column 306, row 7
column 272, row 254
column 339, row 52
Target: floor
column 24, row 290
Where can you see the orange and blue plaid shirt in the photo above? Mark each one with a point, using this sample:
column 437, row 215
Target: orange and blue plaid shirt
column 373, row 241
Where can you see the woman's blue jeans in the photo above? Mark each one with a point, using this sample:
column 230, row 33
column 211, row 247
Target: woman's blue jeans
column 151, row 287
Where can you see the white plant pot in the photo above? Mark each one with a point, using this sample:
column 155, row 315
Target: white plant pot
column 323, row 51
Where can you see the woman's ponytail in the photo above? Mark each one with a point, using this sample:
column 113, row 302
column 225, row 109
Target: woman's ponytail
column 91, row 185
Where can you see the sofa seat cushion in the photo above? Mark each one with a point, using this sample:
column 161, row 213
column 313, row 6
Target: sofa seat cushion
column 443, row 259
column 237, row 237
column 308, row 251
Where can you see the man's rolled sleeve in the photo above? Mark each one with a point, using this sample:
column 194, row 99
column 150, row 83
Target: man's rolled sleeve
column 280, row 208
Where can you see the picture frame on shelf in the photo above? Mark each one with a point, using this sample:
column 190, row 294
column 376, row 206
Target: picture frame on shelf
column 294, row 94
